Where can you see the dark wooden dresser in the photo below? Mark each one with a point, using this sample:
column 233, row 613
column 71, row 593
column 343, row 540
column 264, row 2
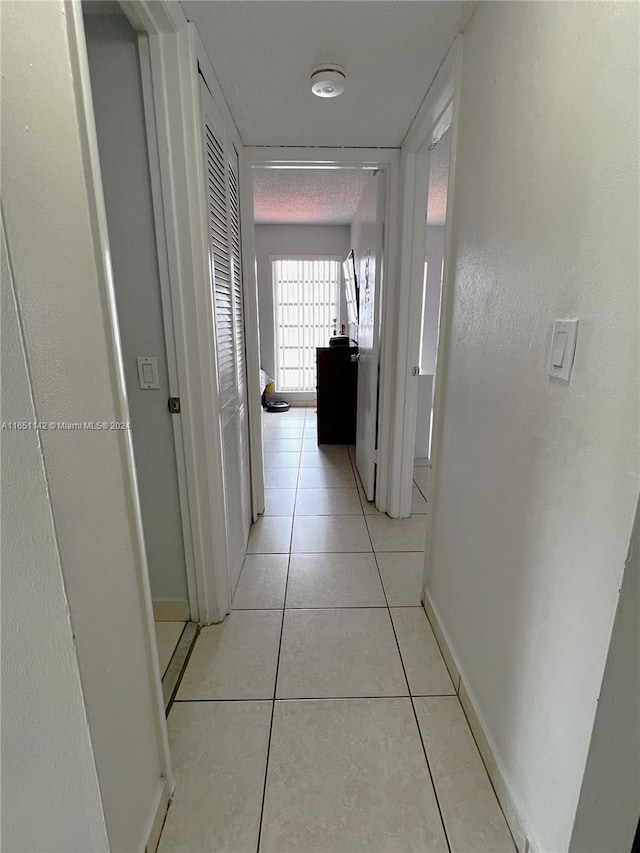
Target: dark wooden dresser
column 337, row 392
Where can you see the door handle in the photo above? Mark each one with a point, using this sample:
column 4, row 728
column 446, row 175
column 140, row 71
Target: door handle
column 355, row 357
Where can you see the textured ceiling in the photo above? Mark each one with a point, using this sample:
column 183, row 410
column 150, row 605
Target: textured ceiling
column 439, row 180
column 262, row 52
column 324, row 196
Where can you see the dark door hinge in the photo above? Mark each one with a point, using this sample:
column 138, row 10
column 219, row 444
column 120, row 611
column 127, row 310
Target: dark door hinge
column 174, row 405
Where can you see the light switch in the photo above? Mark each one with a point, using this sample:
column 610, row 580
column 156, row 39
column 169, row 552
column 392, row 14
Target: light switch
column 148, row 372
column 559, row 349
column 563, row 348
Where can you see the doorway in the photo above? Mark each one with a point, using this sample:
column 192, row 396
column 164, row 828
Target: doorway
column 312, row 222
column 431, row 304
column 144, row 323
column 428, row 169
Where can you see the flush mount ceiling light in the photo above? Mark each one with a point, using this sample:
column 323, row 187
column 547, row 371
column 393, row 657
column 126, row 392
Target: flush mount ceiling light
column 327, row 81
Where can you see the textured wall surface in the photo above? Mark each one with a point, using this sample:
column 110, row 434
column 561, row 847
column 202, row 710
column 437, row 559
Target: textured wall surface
column 50, row 794
column 537, row 480
column 112, row 46
column 607, row 814
column 62, row 287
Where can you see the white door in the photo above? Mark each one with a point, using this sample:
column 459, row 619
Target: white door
column 368, row 252
column 221, row 164
column 241, row 354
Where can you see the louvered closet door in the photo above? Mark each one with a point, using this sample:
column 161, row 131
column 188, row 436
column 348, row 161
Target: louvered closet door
column 241, row 364
column 225, row 264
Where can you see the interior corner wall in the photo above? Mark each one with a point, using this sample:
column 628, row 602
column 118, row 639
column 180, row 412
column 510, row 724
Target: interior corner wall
column 50, row 793
column 294, row 240
column 112, row 47
column 61, row 277
column 536, row 481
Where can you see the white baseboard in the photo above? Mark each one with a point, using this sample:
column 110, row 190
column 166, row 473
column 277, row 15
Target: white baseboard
column 171, row 610
column 442, row 641
column 157, row 819
column 486, row 748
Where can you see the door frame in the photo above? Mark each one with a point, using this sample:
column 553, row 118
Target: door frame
column 89, row 139
column 172, row 54
column 178, row 428
column 437, row 112
column 386, row 160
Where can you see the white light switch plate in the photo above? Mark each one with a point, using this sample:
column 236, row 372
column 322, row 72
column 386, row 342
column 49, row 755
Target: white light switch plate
column 563, row 349
column 148, row 378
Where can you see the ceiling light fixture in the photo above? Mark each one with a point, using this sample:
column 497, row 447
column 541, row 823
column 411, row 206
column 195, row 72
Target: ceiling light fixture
column 327, row 81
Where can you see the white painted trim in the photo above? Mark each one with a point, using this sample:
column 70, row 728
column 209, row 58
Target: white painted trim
column 95, row 198
column 432, row 120
column 274, row 156
column 388, row 160
column 170, row 65
column 215, row 88
column 250, row 294
column 389, row 337
column 174, row 52
column 167, row 316
column 202, row 337
column 156, row 820
column 446, row 312
column 486, row 747
column 443, row 642
column 252, row 334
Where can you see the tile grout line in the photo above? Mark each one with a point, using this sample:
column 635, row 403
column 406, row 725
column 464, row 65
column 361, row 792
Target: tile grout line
column 332, row 606
column 406, row 678
column 174, row 650
column 275, row 683
column 267, row 553
column 284, row 608
column 318, row 698
column 183, row 668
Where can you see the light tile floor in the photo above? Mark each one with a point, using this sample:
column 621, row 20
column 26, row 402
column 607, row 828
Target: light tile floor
column 320, row 715
column 167, row 636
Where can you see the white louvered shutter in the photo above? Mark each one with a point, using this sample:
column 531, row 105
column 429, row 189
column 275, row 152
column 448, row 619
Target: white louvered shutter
column 226, row 280
column 241, row 364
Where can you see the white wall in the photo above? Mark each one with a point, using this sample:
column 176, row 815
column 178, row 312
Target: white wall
column 61, row 272
column 112, row 46
column 536, row 481
column 44, row 724
column 294, row 240
column 609, row 806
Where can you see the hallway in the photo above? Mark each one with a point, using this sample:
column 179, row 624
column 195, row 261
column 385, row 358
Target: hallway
column 345, row 704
